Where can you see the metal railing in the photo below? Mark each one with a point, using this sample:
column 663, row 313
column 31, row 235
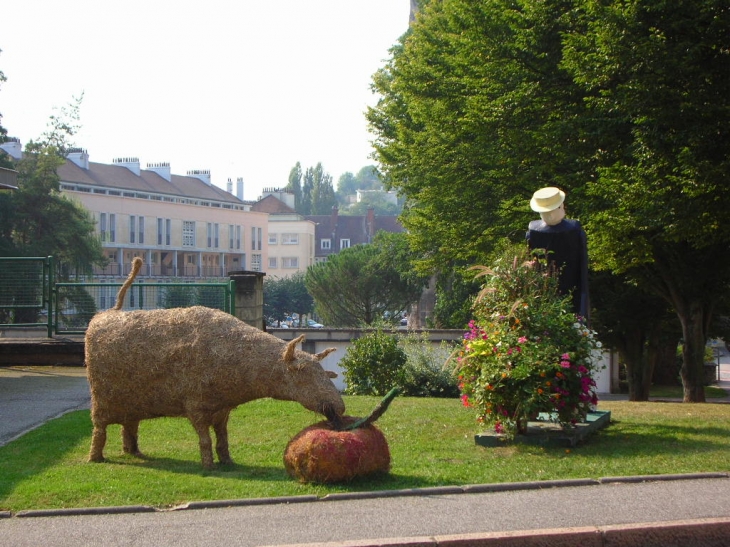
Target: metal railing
column 76, row 303
column 30, row 297
column 25, row 291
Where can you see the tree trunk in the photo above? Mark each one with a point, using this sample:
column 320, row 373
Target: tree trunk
column 693, row 351
column 637, row 372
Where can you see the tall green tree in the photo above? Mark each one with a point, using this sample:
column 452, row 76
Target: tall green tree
column 658, row 75
column 323, row 193
column 305, row 208
column 623, row 104
column 467, row 126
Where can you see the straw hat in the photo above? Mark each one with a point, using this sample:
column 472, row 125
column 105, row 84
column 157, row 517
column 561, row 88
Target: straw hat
column 547, row 199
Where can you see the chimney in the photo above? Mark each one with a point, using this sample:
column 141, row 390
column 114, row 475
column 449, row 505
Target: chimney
column 79, row 156
column 370, row 224
column 162, row 169
column 130, row 163
column 201, row 174
column 13, row 147
column 239, row 188
column 229, row 186
column 335, row 213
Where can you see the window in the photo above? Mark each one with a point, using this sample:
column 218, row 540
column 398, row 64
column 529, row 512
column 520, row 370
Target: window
column 344, row 244
column 290, row 262
column 256, row 262
column 273, row 239
column 326, row 244
column 102, row 227
column 163, row 231
column 256, row 239
column 290, row 239
column 188, row 233
column 140, row 233
column 132, row 228
column 213, row 233
column 273, row 262
column 234, row 236
column 112, row 227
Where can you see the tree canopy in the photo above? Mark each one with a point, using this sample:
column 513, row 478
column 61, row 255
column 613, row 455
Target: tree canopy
column 37, row 219
column 362, row 284
column 625, row 105
column 313, row 190
column 286, row 295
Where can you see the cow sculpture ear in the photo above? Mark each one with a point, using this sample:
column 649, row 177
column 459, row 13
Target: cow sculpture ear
column 291, row 347
column 321, row 355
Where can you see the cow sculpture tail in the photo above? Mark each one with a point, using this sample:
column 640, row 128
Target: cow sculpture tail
column 136, row 266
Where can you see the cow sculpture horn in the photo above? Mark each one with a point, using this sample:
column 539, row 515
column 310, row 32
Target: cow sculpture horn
column 291, row 348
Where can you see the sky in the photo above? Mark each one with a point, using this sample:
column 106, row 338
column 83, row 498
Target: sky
column 243, row 88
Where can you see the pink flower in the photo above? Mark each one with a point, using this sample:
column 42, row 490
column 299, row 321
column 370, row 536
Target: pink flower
column 565, row 364
column 465, row 400
column 498, row 428
column 522, row 339
column 565, row 356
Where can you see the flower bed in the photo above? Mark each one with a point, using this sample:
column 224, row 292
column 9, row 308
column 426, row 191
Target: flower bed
column 526, row 352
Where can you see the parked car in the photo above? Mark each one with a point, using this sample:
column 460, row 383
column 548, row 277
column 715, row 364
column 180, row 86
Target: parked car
column 311, row 324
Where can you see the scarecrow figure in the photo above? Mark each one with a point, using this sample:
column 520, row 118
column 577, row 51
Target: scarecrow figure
column 564, row 242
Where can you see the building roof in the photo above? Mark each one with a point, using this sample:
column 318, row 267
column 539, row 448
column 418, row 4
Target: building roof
column 103, row 175
column 272, row 205
column 355, row 228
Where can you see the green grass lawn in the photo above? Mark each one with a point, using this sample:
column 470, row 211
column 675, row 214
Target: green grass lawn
column 431, row 442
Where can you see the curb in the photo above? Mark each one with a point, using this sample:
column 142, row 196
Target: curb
column 698, row 533
column 428, row 491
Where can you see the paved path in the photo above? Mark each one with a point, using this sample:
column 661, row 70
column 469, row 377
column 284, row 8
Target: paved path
column 31, row 396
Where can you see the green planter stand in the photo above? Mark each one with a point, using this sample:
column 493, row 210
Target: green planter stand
column 544, row 432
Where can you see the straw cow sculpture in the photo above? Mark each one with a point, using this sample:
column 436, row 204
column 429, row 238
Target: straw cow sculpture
column 198, row 363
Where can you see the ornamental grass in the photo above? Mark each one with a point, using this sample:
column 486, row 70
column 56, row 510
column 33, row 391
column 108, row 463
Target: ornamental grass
column 526, row 352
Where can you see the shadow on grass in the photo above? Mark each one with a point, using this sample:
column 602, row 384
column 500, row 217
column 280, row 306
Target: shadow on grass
column 270, row 473
column 42, row 448
column 628, row 440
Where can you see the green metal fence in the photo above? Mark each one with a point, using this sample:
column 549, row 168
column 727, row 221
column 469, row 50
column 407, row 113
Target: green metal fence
column 25, row 292
column 29, row 297
column 76, row 303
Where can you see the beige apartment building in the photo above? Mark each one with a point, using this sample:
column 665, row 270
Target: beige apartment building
column 291, row 235
column 181, row 226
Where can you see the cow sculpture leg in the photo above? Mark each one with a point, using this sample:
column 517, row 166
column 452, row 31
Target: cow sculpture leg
column 98, row 440
column 130, row 438
column 202, row 426
column 220, row 426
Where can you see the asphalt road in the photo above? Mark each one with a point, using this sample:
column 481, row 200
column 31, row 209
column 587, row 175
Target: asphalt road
column 371, row 519
column 31, row 396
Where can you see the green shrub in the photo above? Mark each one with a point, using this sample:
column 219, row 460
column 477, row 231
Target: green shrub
column 428, row 372
column 373, row 364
